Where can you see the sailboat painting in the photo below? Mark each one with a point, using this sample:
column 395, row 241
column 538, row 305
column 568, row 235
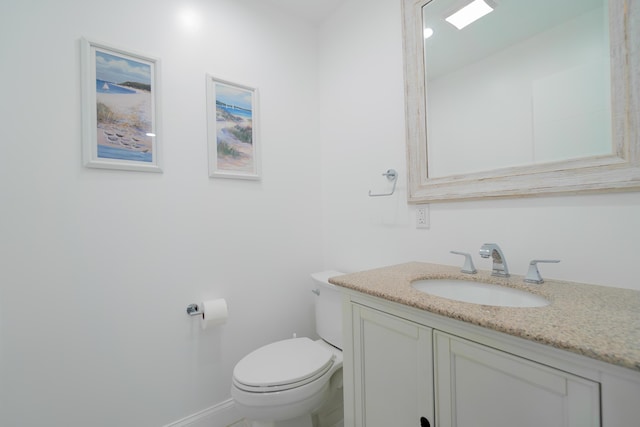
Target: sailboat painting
column 122, row 130
column 234, row 150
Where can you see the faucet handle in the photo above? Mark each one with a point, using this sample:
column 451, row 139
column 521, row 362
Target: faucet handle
column 533, row 275
column 468, row 266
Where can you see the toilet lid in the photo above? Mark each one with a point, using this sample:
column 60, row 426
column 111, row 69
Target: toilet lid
column 283, row 365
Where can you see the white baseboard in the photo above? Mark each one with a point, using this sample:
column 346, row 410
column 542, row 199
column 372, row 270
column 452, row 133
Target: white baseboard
column 223, row 414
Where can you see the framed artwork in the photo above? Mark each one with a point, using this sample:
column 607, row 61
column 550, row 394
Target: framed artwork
column 232, row 119
column 120, row 109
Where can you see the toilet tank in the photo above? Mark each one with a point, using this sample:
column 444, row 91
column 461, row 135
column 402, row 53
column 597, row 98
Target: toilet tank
column 328, row 302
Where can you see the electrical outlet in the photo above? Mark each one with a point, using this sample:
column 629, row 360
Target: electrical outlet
column 422, row 216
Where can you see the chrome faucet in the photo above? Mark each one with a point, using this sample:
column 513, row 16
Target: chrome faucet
column 492, row 250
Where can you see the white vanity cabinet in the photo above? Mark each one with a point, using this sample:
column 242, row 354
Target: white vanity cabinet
column 392, row 370
column 403, row 365
column 476, row 385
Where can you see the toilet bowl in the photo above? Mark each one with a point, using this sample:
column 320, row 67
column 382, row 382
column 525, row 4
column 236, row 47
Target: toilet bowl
column 287, row 383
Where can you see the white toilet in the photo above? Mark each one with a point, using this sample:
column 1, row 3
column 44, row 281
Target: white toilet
column 290, row 383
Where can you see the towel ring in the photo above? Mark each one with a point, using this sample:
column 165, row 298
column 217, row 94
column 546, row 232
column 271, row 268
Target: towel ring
column 391, row 175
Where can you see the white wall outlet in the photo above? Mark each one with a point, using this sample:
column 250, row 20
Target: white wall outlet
column 422, row 216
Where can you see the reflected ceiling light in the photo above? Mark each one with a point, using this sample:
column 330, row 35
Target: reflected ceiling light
column 428, row 32
column 468, row 14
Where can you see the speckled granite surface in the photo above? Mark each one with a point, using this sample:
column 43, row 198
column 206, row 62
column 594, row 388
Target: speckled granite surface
column 598, row 322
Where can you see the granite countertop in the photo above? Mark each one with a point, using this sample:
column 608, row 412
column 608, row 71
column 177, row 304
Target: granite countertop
column 599, row 322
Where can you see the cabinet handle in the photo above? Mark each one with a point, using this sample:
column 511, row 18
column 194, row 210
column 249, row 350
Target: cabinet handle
column 424, row 422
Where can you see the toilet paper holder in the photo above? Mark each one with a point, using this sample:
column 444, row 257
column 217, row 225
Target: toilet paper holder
column 211, row 312
column 192, row 310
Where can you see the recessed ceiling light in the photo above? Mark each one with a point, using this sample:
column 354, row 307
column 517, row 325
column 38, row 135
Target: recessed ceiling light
column 468, row 14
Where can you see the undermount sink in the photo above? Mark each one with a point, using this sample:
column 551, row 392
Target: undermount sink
column 479, row 293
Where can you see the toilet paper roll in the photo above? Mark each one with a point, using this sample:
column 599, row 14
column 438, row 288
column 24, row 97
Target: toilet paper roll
column 214, row 312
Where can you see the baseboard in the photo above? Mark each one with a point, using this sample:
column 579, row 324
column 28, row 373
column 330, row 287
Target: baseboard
column 223, row 414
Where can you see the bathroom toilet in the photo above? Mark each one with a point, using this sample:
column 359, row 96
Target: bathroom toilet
column 291, row 383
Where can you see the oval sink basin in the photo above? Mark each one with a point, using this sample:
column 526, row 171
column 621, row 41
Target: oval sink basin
column 479, row 293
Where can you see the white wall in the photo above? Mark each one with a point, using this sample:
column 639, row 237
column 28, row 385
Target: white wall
column 597, row 237
column 98, row 266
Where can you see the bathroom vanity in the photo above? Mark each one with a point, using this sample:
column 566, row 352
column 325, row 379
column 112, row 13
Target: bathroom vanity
column 414, row 359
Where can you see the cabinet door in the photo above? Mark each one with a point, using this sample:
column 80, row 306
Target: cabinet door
column 480, row 386
column 393, row 370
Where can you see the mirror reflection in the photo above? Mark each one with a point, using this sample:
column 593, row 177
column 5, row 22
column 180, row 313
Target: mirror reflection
column 526, row 83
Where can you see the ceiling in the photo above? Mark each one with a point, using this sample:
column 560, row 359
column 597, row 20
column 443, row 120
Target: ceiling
column 313, row 10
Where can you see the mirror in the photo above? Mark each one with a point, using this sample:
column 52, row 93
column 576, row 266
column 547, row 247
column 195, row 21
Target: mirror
column 530, row 86
column 573, row 126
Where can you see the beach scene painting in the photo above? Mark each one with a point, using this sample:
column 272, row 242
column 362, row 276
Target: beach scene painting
column 232, row 131
column 120, row 109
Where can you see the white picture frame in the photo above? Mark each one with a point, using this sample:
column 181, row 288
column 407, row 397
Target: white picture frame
column 120, row 109
column 234, row 149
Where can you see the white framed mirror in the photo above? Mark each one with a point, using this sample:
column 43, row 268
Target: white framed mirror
column 512, row 148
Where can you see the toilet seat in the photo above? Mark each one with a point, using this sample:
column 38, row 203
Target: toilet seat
column 282, row 365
